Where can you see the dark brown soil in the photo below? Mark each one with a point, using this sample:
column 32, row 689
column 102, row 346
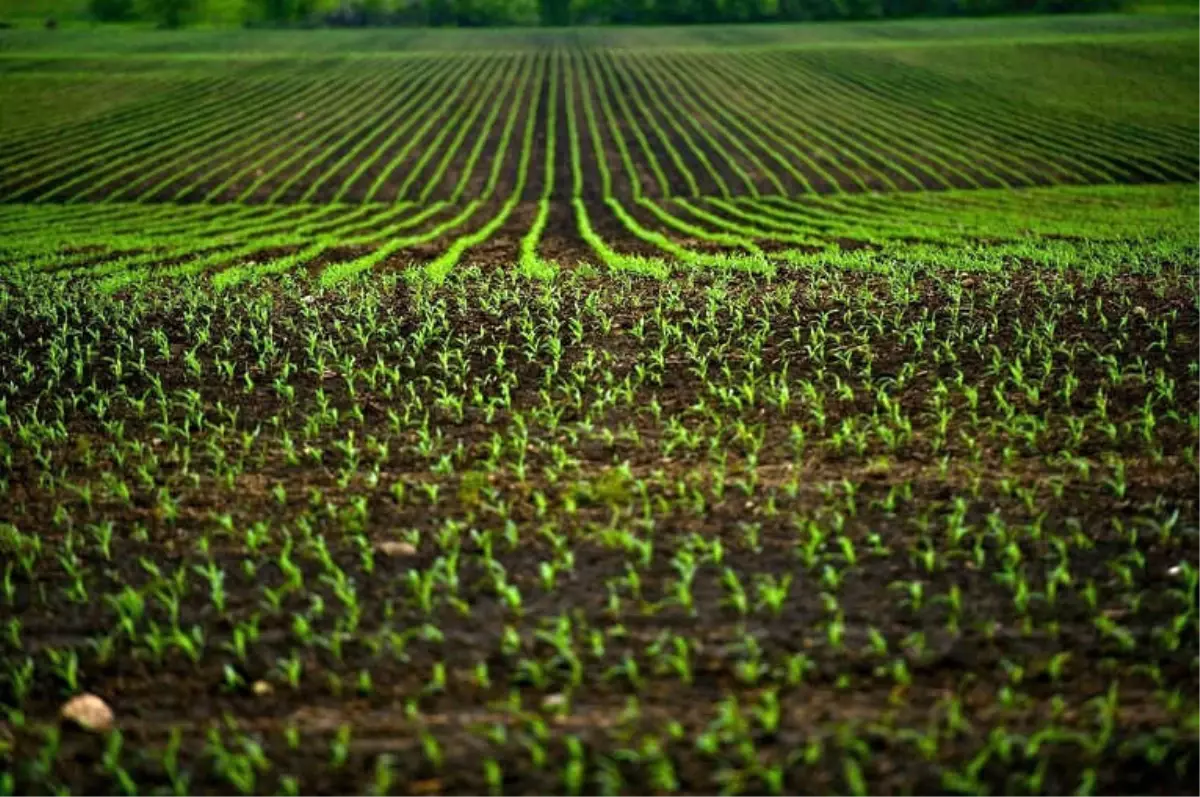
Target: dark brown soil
column 1010, row 697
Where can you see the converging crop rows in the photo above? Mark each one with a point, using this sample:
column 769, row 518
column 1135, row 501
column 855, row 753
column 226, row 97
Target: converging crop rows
column 570, row 123
column 121, row 244
column 555, row 151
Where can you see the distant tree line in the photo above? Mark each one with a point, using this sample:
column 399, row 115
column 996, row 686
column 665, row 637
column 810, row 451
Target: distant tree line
column 480, row 13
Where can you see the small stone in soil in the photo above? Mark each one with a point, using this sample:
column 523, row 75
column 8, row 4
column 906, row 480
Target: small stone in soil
column 88, row 712
column 397, row 548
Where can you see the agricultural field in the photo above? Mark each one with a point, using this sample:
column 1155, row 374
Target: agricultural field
column 758, row 409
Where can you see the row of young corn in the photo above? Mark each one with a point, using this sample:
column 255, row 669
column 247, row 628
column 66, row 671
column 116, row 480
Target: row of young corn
column 737, row 123
column 122, row 244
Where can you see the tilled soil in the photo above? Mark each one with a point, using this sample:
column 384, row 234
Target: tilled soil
column 503, row 535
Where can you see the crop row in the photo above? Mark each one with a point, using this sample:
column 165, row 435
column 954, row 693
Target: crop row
column 738, row 123
column 122, row 243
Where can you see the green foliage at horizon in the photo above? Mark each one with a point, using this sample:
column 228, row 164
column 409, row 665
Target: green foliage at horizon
column 476, row 13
